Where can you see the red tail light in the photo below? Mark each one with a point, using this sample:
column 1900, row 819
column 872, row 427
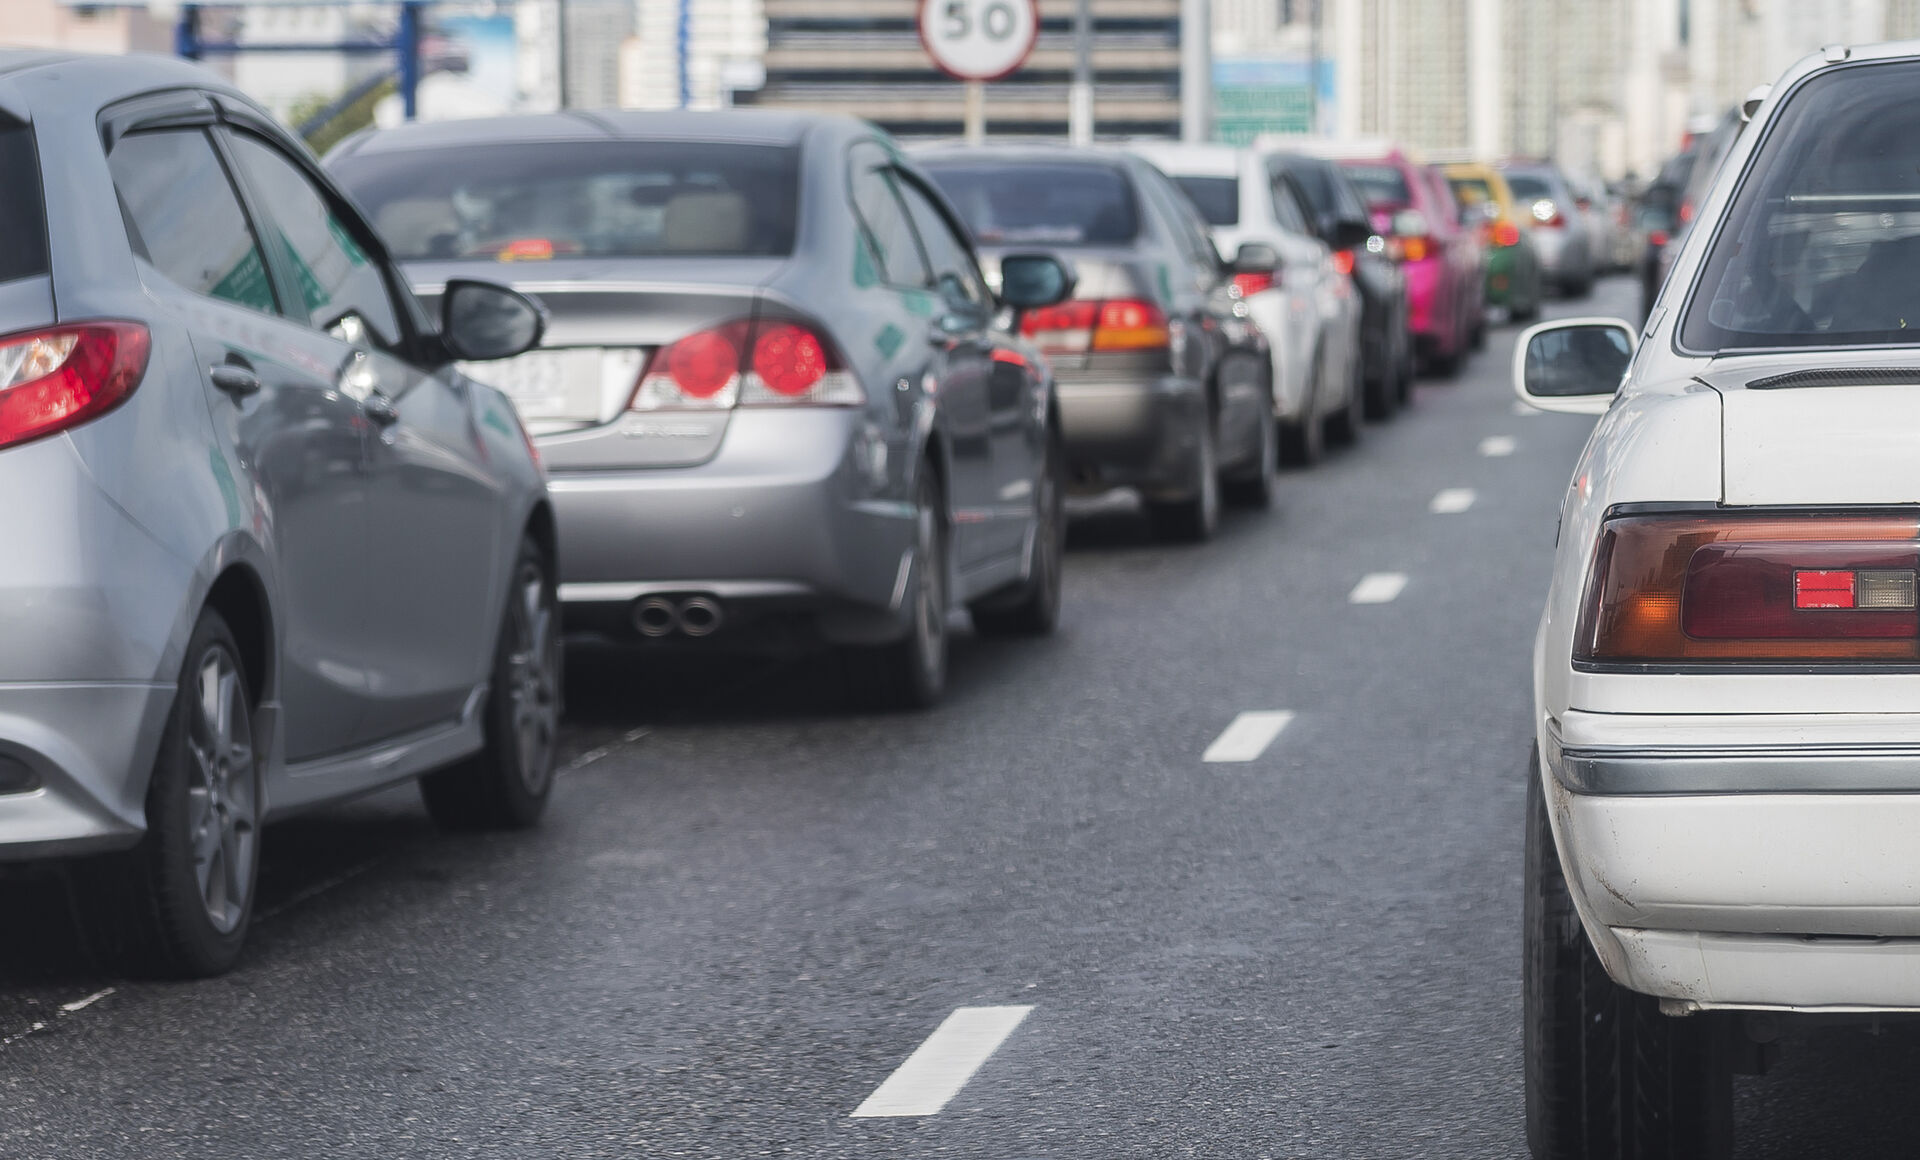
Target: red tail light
column 1504, row 233
column 58, row 378
column 1250, row 284
column 1411, row 249
column 1547, row 213
column 1113, row 324
column 1686, row 212
column 1657, row 237
column 1343, row 261
column 739, row 363
column 1756, row 588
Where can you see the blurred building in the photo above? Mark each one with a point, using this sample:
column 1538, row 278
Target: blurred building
column 1610, row 86
column 281, row 80
column 58, row 25
column 725, row 44
column 864, row 57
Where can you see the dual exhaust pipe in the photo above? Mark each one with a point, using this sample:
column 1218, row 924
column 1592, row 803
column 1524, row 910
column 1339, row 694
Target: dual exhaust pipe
column 658, row 616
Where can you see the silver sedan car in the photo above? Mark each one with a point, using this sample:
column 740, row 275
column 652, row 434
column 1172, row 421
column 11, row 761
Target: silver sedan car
column 267, row 548
column 778, row 400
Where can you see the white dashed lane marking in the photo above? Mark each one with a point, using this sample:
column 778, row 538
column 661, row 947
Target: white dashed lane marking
column 1377, row 588
column 940, row 1067
column 66, row 1009
column 1451, row 501
column 1248, row 736
column 1494, row 446
column 83, row 1004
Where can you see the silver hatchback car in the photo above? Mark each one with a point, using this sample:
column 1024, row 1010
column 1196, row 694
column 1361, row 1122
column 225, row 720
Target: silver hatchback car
column 267, row 548
column 780, row 403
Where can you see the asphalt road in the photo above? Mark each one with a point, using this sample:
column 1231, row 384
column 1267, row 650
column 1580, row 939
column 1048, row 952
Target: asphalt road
column 749, row 904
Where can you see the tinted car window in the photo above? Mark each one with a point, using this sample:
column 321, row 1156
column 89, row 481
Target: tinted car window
column 954, row 274
column 1057, row 204
column 1820, row 245
column 1287, row 211
column 1384, row 186
column 1217, row 198
column 183, row 216
column 556, row 199
column 1527, row 187
column 338, row 281
column 1472, row 190
column 877, row 201
column 23, row 220
column 1315, row 184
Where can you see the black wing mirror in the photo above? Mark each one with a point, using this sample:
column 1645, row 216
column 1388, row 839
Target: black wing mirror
column 1028, row 281
column 1350, row 233
column 1256, row 258
column 485, row 320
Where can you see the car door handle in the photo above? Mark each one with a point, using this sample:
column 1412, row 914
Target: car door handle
column 381, row 409
column 235, row 380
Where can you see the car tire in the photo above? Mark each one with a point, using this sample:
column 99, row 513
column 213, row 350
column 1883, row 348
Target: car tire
column 1608, row 1076
column 911, row 673
column 1303, row 441
column 506, row 785
column 1034, row 608
column 1526, row 313
column 1252, row 486
column 1193, row 519
column 1344, row 425
column 179, row 904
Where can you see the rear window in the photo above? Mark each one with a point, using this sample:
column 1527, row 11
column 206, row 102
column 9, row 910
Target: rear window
column 563, row 199
column 1820, row 244
column 1045, row 204
column 1384, row 186
column 1526, row 187
column 23, row 220
column 1218, row 198
column 1472, row 190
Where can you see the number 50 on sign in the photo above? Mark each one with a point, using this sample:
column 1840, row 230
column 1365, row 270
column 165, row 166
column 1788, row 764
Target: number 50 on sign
column 978, row 40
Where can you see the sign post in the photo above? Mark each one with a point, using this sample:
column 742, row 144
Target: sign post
column 977, row 41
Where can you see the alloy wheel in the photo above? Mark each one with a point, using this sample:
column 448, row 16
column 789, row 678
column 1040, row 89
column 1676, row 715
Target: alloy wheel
column 223, row 799
column 533, row 668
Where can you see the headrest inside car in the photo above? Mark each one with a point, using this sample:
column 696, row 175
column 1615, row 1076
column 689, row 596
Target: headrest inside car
column 705, row 223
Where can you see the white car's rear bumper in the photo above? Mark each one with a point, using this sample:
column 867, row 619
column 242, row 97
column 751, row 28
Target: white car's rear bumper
column 1751, row 861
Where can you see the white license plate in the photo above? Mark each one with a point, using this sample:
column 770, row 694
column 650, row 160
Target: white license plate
column 586, row 384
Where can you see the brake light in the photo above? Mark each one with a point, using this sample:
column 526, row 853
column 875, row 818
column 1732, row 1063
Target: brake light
column 1413, row 249
column 1657, row 238
column 51, row 380
column 1758, row 588
column 1686, row 211
column 1110, row 325
column 1505, row 233
column 1343, row 261
column 1250, row 284
column 775, row 362
column 1547, row 213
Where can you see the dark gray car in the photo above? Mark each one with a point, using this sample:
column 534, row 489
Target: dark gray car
column 778, row 401
column 1165, row 382
column 267, row 548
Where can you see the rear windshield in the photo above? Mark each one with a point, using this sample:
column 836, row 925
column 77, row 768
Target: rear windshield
column 1044, row 204
column 1528, row 188
column 1821, row 243
column 1384, row 186
column 23, row 220
column 1473, row 190
column 1218, row 198
column 560, row 199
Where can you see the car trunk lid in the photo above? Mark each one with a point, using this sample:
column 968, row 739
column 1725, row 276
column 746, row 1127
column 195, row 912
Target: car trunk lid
column 605, row 320
column 1815, row 433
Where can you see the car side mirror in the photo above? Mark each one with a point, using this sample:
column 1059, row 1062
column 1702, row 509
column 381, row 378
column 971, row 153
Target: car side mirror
column 1028, row 281
column 485, row 320
column 1350, row 233
column 1256, row 258
column 1572, row 365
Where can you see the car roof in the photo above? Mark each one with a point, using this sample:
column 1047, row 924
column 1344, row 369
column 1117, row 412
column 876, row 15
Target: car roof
column 102, row 79
column 1036, row 153
column 731, row 126
column 1191, row 158
column 1354, row 149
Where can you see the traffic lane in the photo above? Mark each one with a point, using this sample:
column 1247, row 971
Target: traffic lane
column 735, row 927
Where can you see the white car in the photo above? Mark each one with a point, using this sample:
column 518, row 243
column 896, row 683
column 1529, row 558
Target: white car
column 1724, row 821
column 1294, row 290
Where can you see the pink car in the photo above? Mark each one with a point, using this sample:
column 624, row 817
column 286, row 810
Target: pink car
column 1416, row 216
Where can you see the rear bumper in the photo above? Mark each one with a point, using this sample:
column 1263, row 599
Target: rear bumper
column 787, row 520
column 1427, row 314
column 1503, row 268
column 90, row 747
column 1141, row 433
column 1746, row 860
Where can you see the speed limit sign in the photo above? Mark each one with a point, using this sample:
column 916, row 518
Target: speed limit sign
column 979, row 40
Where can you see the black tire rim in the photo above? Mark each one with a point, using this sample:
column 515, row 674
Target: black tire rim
column 533, row 677
column 223, row 800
